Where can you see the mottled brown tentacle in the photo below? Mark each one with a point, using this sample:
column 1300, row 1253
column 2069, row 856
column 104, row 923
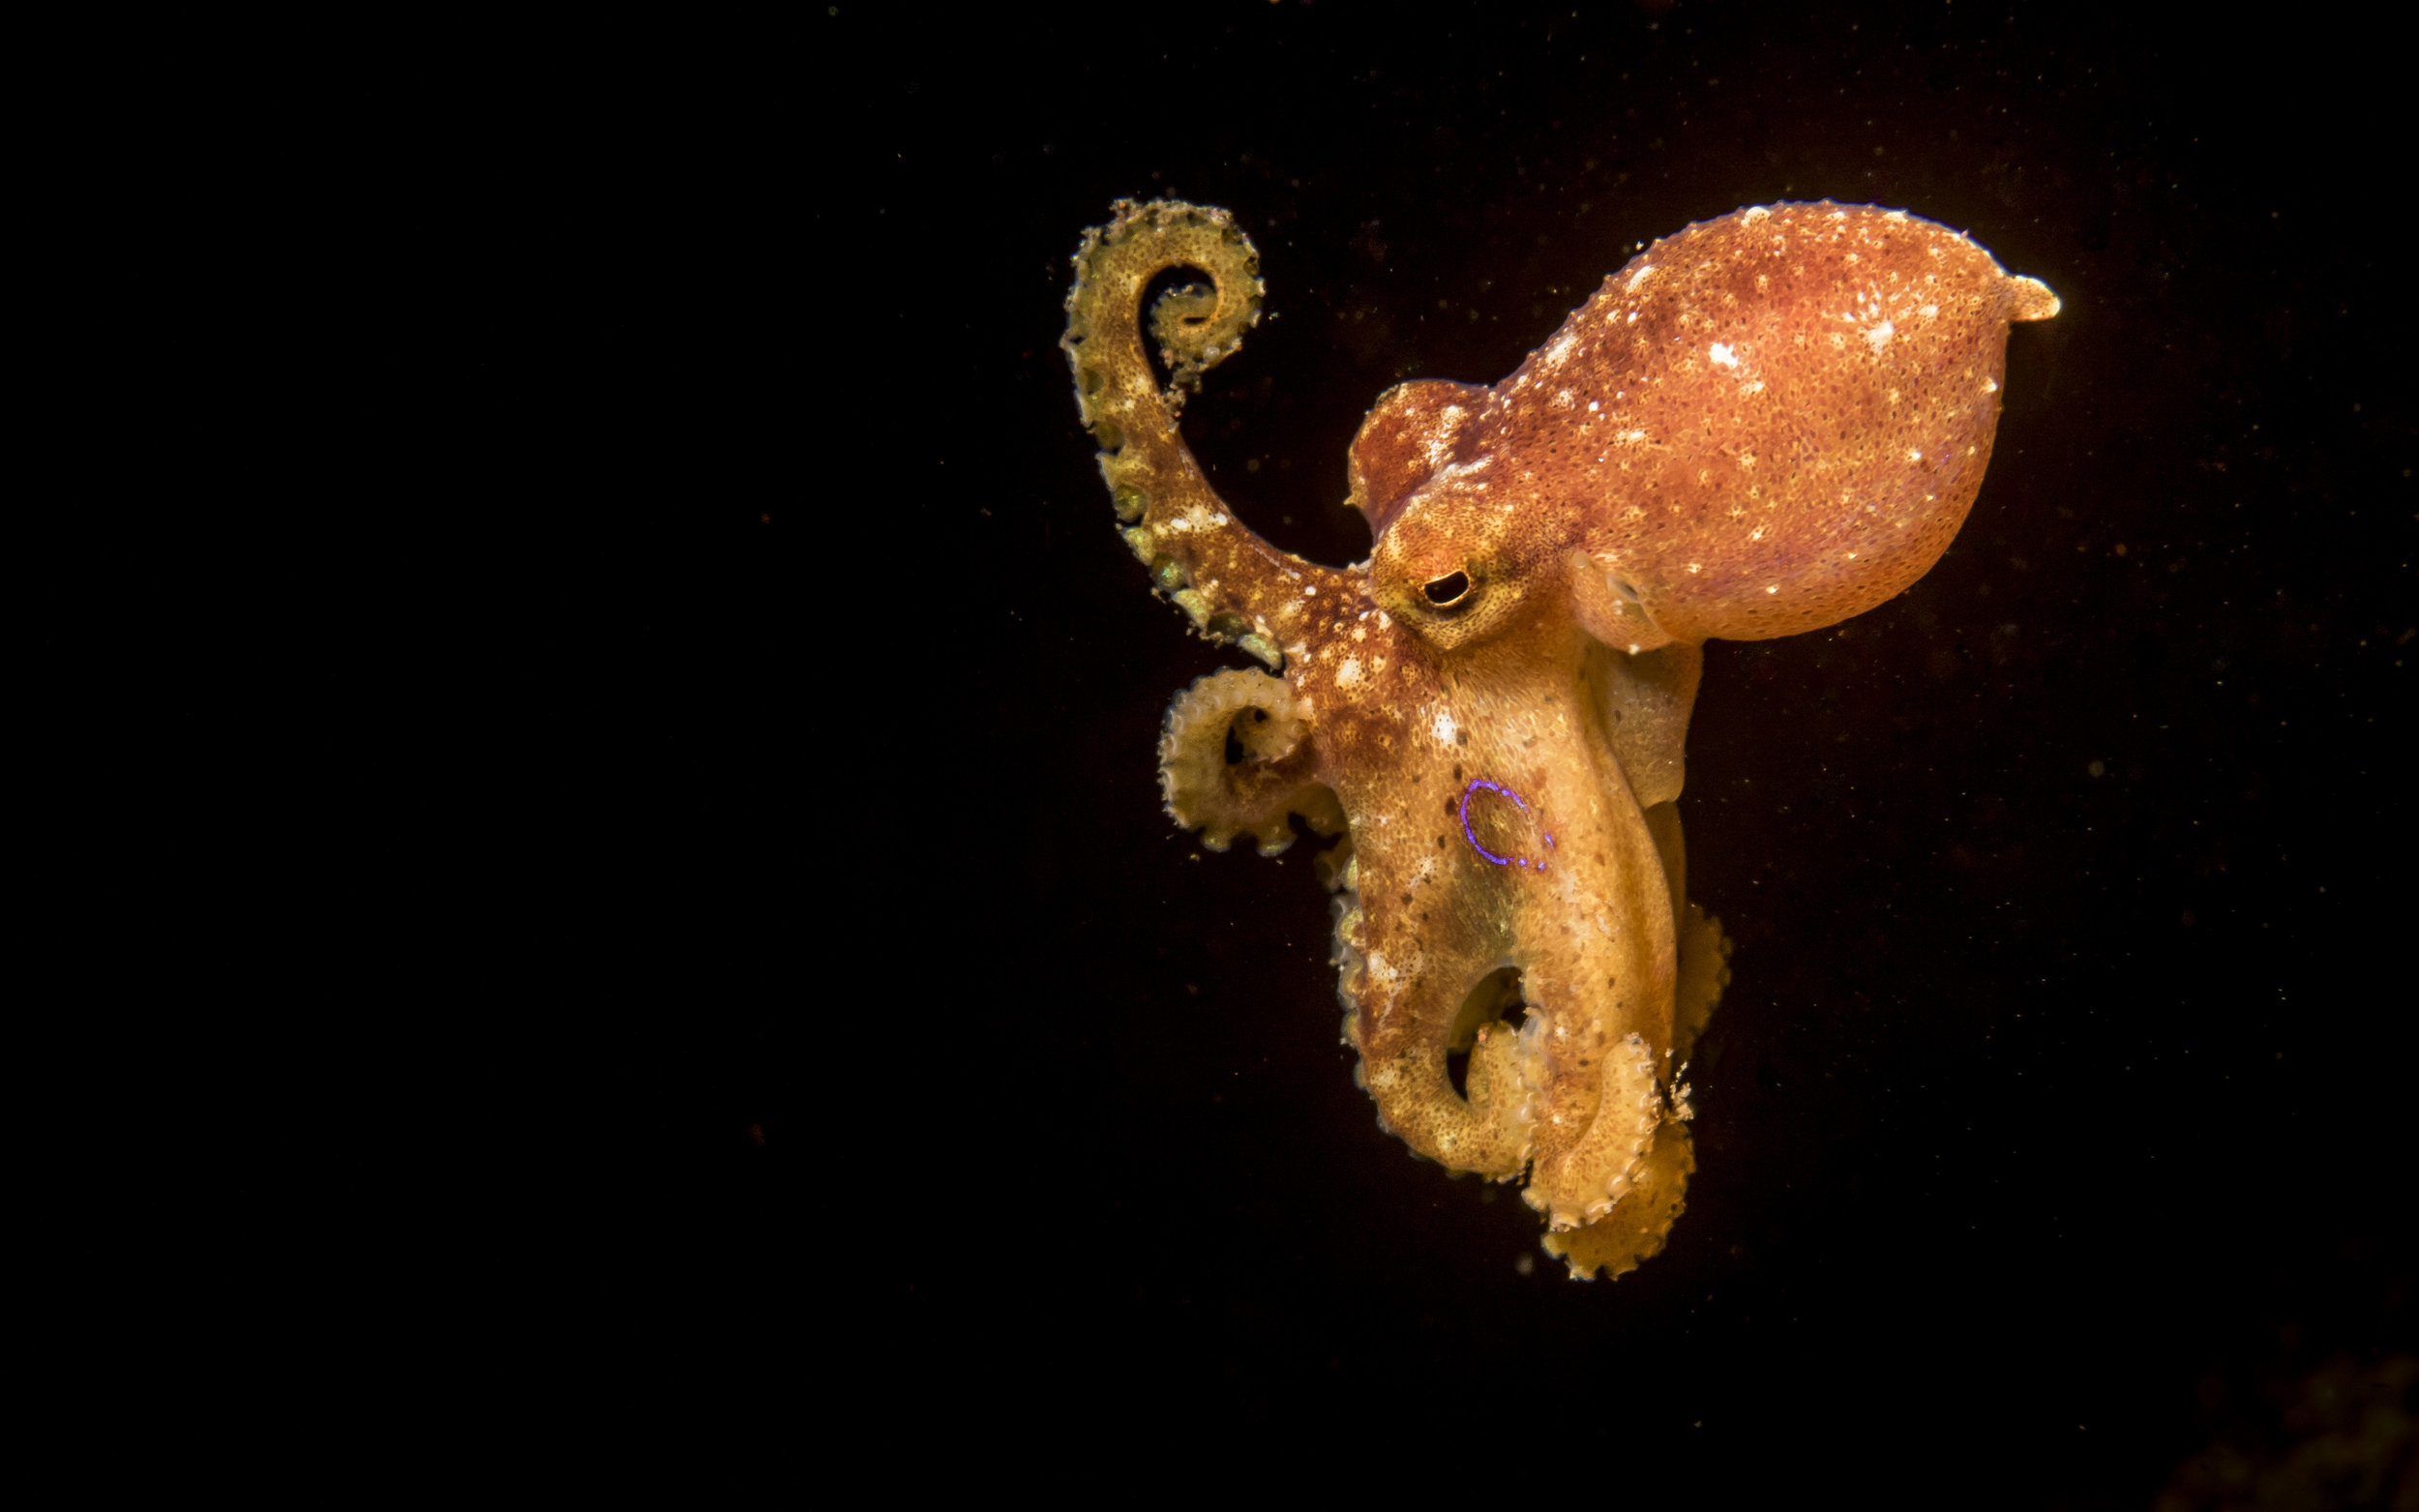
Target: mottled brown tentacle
column 1636, row 1229
column 1236, row 757
column 1647, row 698
column 1406, row 1011
column 1232, row 585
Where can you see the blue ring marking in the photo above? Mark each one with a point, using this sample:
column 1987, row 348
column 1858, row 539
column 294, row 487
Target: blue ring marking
column 1475, row 785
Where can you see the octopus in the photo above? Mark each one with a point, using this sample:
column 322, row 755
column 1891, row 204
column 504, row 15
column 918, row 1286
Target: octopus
column 1761, row 426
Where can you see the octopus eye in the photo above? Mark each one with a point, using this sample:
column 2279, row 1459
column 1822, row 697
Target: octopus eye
column 1449, row 590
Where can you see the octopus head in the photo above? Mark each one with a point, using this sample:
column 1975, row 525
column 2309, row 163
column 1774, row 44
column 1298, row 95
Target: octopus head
column 1462, row 554
column 1448, row 570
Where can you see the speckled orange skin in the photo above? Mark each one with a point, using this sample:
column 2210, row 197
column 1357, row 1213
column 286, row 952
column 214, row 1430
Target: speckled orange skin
column 1764, row 425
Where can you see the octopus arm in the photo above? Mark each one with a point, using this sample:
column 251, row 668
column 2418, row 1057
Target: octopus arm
column 1236, row 757
column 1646, row 702
column 1657, row 1187
column 1409, row 1005
column 1233, row 585
column 1634, row 1231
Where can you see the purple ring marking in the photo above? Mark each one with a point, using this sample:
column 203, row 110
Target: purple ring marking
column 1475, row 785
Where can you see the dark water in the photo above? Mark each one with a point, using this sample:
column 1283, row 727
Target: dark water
column 2059, row 1115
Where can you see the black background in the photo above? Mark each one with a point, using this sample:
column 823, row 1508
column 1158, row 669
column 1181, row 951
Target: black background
column 2057, row 1114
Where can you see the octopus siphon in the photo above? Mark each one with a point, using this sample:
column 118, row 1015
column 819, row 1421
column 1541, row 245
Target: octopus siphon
column 1764, row 425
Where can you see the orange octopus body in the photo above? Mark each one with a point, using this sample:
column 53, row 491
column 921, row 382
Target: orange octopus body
column 1764, row 425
